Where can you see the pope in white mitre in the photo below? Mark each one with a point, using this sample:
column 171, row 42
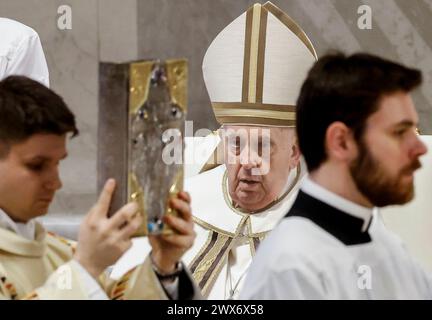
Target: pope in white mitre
column 253, row 72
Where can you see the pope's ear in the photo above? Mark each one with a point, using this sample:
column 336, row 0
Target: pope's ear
column 295, row 154
column 339, row 142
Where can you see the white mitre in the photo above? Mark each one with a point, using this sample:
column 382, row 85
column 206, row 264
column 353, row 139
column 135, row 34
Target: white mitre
column 254, row 68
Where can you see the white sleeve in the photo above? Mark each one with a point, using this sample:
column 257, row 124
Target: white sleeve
column 28, row 59
column 428, row 280
column 94, row 290
column 424, row 279
column 3, row 65
column 284, row 284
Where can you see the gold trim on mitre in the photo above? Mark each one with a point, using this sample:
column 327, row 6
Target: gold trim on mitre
column 292, row 25
column 255, row 113
column 253, row 67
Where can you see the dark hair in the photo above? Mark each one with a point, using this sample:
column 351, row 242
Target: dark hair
column 27, row 107
column 347, row 89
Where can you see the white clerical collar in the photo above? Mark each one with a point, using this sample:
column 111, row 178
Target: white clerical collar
column 315, row 190
column 25, row 230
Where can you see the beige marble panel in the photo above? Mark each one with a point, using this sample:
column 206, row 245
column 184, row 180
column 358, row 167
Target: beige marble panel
column 118, row 32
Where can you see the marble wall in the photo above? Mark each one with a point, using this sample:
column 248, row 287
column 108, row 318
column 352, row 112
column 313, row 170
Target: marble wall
column 113, row 30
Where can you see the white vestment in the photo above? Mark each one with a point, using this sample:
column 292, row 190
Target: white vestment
column 21, row 52
column 326, row 249
column 226, row 238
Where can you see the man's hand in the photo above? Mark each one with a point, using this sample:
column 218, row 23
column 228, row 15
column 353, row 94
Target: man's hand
column 102, row 240
column 167, row 250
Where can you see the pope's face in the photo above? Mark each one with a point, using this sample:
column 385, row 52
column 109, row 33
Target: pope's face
column 258, row 162
column 30, row 176
column 389, row 152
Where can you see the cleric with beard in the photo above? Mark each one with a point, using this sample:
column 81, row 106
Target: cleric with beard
column 356, row 127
